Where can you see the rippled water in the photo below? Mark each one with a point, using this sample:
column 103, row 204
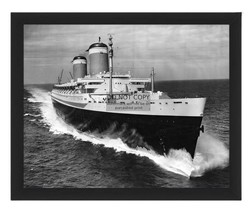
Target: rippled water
column 57, row 155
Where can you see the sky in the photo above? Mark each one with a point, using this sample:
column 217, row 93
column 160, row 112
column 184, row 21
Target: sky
column 177, row 52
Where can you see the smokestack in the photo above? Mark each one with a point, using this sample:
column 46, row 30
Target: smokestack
column 79, row 67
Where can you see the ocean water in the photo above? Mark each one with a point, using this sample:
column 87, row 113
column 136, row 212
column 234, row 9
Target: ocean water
column 56, row 155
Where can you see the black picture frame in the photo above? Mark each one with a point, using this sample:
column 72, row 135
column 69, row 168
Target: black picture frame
column 18, row 20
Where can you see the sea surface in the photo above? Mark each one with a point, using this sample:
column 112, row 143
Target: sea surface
column 56, row 155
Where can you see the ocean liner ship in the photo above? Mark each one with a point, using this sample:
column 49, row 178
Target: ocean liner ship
column 101, row 100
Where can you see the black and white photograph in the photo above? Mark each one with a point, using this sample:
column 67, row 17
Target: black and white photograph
column 126, row 106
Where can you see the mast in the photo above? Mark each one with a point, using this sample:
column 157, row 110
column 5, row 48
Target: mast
column 110, row 64
column 60, row 77
column 71, row 75
column 152, row 79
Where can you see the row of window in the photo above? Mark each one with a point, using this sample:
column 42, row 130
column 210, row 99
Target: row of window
column 179, row 102
column 94, row 83
column 88, row 90
column 67, row 91
column 137, row 83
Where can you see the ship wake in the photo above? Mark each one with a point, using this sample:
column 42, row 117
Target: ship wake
column 210, row 152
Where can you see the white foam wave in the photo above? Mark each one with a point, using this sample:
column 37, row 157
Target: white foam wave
column 210, row 152
column 32, row 115
column 32, row 100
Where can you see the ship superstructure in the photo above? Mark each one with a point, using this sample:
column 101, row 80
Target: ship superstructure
column 98, row 99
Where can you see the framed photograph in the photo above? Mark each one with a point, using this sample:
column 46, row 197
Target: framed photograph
column 126, row 106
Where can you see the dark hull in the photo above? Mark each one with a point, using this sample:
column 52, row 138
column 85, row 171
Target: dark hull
column 160, row 133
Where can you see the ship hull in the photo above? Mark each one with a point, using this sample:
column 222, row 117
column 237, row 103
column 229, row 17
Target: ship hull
column 160, row 133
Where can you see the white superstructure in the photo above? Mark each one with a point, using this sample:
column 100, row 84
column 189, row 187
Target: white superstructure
column 129, row 97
